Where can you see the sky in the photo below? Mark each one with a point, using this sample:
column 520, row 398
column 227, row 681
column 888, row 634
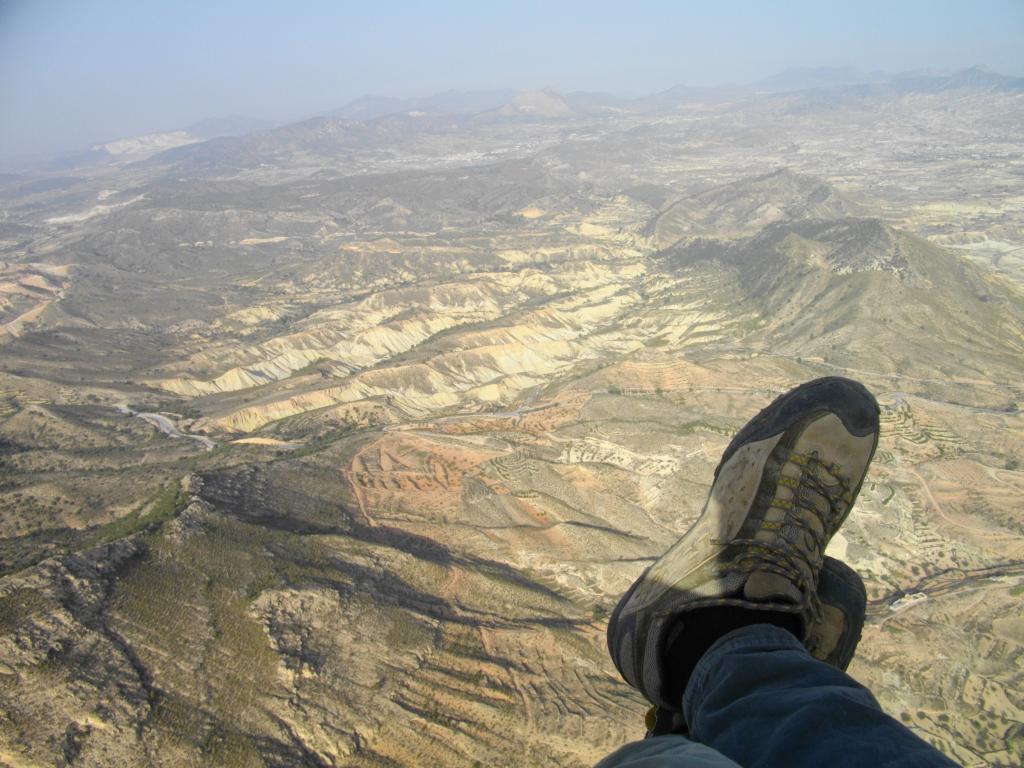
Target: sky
column 77, row 72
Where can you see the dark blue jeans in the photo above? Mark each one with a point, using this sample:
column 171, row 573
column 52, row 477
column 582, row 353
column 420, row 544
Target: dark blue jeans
column 757, row 699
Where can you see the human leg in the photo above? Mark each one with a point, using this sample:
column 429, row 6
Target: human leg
column 783, row 487
column 832, row 640
column 666, row 752
column 729, row 613
column 758, row 697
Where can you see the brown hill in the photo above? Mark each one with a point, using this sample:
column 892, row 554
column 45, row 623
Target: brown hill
column 744, row 207
column 860, row 292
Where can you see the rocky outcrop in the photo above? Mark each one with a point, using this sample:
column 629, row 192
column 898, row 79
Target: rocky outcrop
column 71, row 687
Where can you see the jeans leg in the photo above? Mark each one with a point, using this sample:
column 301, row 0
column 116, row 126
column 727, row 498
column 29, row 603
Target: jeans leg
column 759, row 698
column 666, row 752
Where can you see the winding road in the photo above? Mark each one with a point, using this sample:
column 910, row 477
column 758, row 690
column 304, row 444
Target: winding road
column 945, row 582
column 166, row 425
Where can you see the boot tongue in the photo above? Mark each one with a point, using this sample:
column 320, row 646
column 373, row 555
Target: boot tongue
column 763, row 586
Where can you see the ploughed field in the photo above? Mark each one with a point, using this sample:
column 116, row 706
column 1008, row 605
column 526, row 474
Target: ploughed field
column 336, row 444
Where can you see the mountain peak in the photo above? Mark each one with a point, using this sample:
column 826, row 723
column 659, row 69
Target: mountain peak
column 543, row 103
column 979, row 77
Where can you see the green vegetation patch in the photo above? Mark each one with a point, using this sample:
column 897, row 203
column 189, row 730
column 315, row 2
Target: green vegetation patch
column 658, row 341
column 20, row 605
column 892, row 492
column 188, row 599
column 17, row 553
column 312, row 367
column 165, row 505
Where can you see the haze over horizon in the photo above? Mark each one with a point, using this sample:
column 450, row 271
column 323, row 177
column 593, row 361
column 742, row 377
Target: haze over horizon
column 76, row 74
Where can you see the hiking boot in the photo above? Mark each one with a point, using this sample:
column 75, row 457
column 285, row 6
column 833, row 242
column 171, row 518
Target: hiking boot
column 832, row 640
column 783, row 487
column 844, row 601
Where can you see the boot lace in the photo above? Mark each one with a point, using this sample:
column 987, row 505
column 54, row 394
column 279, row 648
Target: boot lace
column 799, row 564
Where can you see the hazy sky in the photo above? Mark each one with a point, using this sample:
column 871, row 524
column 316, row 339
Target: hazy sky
column 74, row 72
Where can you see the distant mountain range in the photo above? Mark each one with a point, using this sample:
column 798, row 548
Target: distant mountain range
column 449, row 102
column 549, row 103
column 383, row 116
column 230, row 125
column 811, row 78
